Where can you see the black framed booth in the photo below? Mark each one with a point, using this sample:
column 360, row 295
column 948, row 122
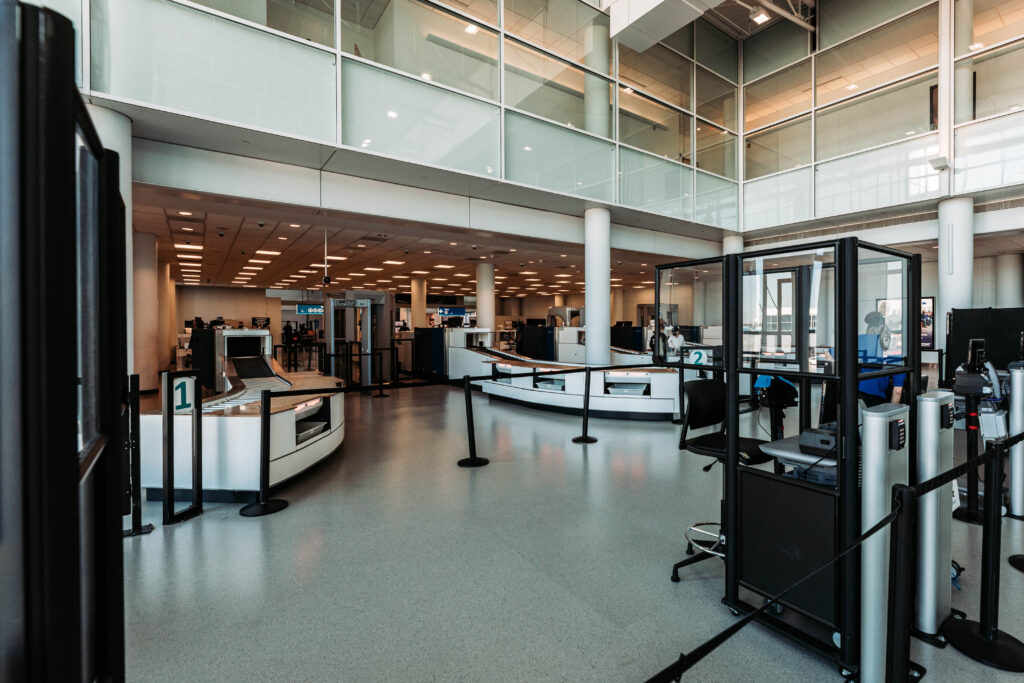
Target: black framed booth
column 807, row 316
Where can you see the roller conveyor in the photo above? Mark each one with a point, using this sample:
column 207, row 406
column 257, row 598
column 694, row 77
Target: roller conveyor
column 255, row 375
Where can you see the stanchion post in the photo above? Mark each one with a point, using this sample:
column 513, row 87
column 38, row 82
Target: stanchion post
column 380, row 375
column 472, row 460
column 901, row 585
column 970, row 513
column 585, row 437
column 982, row 640
column 265, row 505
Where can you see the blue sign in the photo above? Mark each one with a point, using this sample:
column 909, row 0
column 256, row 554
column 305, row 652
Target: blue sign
column 309, row 309
column 450, row 311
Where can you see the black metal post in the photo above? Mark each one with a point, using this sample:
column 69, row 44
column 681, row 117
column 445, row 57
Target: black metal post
column 849, row 457
column 682, row 397
column 472, row 460
column 733, row 274
column 380, row 375
column 913, row 352
column 265, row 505
column 902, row 550
column 801, row 335
column 585, row 437
column 971, row 512
column 196, row 508
column 138, row 528
column 982, row 640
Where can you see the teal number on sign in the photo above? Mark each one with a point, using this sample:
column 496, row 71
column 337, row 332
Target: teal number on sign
column 183, row 404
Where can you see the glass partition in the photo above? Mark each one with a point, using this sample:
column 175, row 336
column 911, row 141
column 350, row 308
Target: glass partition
column 422, row 40
column 553, row 89
column 658, row 71
column 987, row 22
column 780, row 44
column 653, row 184
column 882, row 312
column 716, row 99
column 716, row 150
column 654, row 127
column 778, row 96
column 569, row 28
column 779, row 148
column 995, row 87
column 789, row 311
column 309, row 19
column 690, row 313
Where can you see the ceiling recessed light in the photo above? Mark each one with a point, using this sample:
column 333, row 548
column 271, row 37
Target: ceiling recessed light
column 425, row 76
column 282, row 238
column 472, row 29
column 511, row 249
column 427, row 251
column 759, row 16
column 403, row 277
column 358, row 274
column 293, row 225
column 250, row 286
column 372, row 268
column 852, row 86
column 196, row 247
column 256, row 260
column 628, row 91
column 527, row 272
column 393, row 263
column 392, row 114
column 184, row 213
column 975, row 46
column 307, row 272
column 564, row 275
column 533, row 279
column 461, row 274
column 188, row 229
column 319, row 265
column 527, row 148
column 443, row 266
column 454, row 244
column 252, row 267
column 439, row 279
column 421, row 272
column 337, row 258
column 197, row 257
column 267, row 252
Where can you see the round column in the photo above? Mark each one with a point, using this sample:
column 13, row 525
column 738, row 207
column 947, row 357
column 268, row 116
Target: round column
column 485, row 297
column 418, row 305
column 115, row 131
column 732, row 244
column 145, row 291
column 597, row 226
column 963, row 71
column 1009, row 281
column 956, row 260
column 597, row 116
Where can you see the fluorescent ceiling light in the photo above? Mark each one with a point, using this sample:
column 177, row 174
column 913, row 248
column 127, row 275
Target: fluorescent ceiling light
column 527, row 272
column 759, row 16
column 372, row 268
column 256, row 260
column 361, row 246
column 308, row 272
column 184, row 213
column 282, row 238
column 527, row 148
column 357, row 274
column 267, row 252
column 196, row 247
column 533, row 279
column 190, row 270
column 392, row 114
column 425, row 76
column 975, row 46
column 188, row 229
column 319, row 265
column 439, row 279
column 443, row 266
column 191, row 256
column 403, row 277
column 421, row 272
column 250, row 286
column 852, row 86
column 563, row 275
column 461, row 274
column 337, row 258
column 394, row 263
column 252, row 267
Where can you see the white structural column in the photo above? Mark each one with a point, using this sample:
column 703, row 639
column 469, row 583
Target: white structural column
column 597, row 112
column 963, row 72
column 485, row 297
column 956, row 259
column 732, row 244
column 597, row 227
column 418, row 306
column 1009, row 280
column 145, row 290
column 115, row 131
column 560, row 301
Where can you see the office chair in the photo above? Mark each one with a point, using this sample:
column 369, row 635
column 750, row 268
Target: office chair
column 705, row 407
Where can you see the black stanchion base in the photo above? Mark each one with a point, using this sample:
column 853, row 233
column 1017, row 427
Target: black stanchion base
column 934, row 639
column 1002, row 652
column 141, row 531
column 1017, row 562
column 260, row 509
column 964, row 514
column 584, row 439
column 1013, row 516
column 473, row 462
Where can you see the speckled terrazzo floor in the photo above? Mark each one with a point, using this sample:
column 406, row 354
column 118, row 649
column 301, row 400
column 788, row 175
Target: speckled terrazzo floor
column 550, row 564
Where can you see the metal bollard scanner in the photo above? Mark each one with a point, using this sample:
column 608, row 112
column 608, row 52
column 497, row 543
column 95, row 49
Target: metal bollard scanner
column 1016, row 475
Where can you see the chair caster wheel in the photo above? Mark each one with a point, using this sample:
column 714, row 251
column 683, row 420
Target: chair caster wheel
column 689, row 549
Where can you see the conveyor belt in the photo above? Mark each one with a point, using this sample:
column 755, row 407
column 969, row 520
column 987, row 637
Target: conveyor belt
column 257, row 375
column 504, row 355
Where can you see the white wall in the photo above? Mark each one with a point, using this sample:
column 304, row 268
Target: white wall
column 236, row 303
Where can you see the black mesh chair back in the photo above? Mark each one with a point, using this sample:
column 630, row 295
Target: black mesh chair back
column 705, row 403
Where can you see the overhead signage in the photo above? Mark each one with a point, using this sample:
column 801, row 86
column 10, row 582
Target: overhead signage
column 449, row 311
column 309, row 309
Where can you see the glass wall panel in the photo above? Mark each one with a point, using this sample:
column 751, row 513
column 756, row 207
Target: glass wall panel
column 716, row 99
column 555, row 158
column 899, row 111
column 997, row 87
column 990, row 22
column 882, row 288
column 716, row 150
column 551, row 88
column 990, row 154
column 682, row 40
column 690, row 296
column 403, row 117
column 882, row 177
column 840, row 19
column 779, row 200
column 780, row 44
column 778, row 96
column 715, row 201
column 884, row 55
column 652, row 126
column 424, row 41
column 778, row 148
column 174, row 56
column 566, row 27
column 309, row 19
column 654, row 184
column 716, row 50
column 658, row 71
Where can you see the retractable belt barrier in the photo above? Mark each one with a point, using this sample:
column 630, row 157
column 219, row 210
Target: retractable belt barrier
column 981, row 640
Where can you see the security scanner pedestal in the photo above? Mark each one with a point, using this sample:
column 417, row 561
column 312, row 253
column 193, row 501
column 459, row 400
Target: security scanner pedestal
column 833, row 312
column 359, row 327
column 1016, row 478
column 934, row 521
